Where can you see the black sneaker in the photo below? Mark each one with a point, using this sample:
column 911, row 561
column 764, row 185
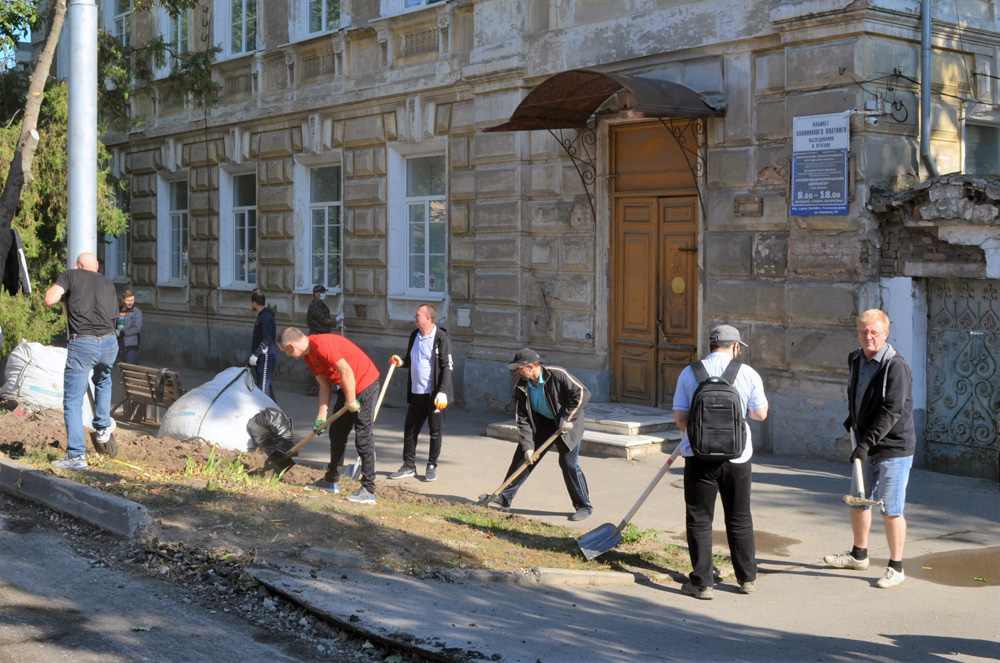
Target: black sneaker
column 703, row 593
column 431, row 474
column 324, row 486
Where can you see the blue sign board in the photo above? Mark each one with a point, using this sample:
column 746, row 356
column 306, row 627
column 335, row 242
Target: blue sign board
column 819, row 183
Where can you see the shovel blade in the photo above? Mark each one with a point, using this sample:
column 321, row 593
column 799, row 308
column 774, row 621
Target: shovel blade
column 355, row 471
column 279, row 462
column 599, row 541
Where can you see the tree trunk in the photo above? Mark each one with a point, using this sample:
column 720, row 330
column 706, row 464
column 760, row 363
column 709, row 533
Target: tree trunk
column 19, row 175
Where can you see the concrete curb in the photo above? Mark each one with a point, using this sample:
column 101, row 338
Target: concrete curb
column 109, row 512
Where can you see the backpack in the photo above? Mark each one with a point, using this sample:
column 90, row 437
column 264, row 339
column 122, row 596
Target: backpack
column 716, row 428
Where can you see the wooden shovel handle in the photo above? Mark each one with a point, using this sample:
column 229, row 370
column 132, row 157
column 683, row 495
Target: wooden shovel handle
column 545, row 445
column 336, row 415
column 650, row 487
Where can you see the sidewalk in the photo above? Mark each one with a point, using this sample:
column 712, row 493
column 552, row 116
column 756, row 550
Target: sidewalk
column 800, row 611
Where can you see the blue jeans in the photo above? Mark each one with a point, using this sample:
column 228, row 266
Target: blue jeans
column 83, row 355
column 887, row 478
column 576, row 483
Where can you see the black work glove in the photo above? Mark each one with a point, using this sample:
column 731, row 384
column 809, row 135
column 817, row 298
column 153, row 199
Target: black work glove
column 861, row 453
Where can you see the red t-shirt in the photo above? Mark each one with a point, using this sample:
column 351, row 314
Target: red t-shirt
column 325, row 350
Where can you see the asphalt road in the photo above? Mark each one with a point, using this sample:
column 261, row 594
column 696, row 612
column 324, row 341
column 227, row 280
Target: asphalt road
column 57, row 605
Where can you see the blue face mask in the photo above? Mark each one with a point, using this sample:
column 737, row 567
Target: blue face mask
column 322, row 296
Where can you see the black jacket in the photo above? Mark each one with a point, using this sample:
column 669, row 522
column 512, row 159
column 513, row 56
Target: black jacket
column 567, row 397
column 884, row 421
column 264, row 334
column 441, row 364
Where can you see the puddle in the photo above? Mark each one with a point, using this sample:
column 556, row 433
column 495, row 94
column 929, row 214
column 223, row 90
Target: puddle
column 767, row 543
column 978, row 567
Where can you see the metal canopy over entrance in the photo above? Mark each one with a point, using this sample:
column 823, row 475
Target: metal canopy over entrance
column 569, row 101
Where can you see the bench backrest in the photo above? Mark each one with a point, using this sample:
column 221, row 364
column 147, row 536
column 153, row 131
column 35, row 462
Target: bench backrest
column 152, row 386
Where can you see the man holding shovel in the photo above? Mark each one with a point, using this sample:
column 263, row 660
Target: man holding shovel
column 339, row 364
column 730, row 479
column 428, row 356
column 880, row 419
column 548, row 400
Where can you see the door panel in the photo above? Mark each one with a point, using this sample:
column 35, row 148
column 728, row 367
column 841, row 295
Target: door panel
column 678, row 343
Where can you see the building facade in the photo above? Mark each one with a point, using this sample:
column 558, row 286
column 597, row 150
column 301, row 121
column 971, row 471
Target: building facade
column 410, row 151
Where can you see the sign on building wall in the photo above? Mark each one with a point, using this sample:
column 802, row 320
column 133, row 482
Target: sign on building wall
column 820, row 144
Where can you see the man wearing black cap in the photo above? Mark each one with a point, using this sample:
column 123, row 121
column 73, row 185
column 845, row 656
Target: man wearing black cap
column 548, row 400
column 318, row 316
column 705, row 479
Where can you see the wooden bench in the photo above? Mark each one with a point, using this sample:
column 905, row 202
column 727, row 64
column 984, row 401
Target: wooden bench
column 146, row 390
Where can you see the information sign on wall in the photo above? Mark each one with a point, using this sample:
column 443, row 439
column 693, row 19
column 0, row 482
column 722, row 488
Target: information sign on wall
column 820, row 145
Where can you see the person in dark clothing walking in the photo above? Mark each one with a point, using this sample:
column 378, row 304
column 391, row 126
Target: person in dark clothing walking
column 880, row 421
column 263, row 350
column 548, row 400
column 428, row 357
column 129, row 329
column 318, row 316
column 91, row 309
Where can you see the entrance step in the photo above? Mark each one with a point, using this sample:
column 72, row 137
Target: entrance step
column 601, row 443
column 626, row 419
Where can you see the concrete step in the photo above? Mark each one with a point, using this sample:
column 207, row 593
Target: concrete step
column 626, row 419
column 601, row 443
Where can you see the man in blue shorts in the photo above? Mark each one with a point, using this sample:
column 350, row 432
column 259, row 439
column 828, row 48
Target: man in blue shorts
column 880, row 419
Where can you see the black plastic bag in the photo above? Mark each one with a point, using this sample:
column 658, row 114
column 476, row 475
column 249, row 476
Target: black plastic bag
column 271, row 430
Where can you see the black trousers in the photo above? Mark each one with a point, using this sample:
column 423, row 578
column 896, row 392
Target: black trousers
column 364, row 440
column 576, row 483
column 703, row 480
column 420, row 409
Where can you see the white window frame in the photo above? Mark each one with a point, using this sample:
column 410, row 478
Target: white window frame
column 303, row 220
column 176, row 32
column 398, row 231
column 165, row 235
column 118, row 247
column 121, row 22
column 227, row 228
column 396, row 7
column 223, row 29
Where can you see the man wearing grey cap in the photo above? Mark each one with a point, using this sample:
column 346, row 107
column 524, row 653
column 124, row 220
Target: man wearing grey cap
column 548, row 400
column 705, row 479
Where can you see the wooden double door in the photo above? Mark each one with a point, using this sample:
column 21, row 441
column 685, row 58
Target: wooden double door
column 654, row 294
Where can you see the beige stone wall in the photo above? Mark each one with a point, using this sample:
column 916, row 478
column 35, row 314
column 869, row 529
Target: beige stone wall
column 528, row 259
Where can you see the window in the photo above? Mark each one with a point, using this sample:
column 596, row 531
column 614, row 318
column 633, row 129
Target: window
column 243, row 26
column 325, row 207
column 177, row 33
column 118, row 255
column 426, row 227
column 407, row 4
column 179, row 230
column 123, row 21
column 324, row 15
column 393, row 7
column 245, row 229
column 982, row 149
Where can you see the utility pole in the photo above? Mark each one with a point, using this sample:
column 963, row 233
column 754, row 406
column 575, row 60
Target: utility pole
column 81, row 229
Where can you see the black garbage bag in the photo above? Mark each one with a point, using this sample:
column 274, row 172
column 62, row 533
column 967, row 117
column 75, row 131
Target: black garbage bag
column 271, row 430
column 13, row 450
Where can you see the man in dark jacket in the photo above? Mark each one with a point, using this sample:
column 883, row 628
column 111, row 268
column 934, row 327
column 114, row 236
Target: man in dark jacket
column 129, row 329
column 263, row 351
column 548, row 400
column 880, row 421
column 428, row 356
column 318, row 316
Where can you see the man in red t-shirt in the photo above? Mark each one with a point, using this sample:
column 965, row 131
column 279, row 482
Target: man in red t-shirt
column 339, row 364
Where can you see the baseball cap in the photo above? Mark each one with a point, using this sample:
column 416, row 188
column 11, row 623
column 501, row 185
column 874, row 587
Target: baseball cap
column 319, row 288
column 522, row 357
column 726, row 334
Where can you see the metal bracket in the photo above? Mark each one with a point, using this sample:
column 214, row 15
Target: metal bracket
column 693, row 154
column 581, row 148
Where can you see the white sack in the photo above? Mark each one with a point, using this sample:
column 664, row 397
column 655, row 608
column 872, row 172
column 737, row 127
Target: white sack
column 217, row 411
column 34, row 378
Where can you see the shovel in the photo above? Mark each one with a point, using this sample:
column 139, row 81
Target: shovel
column 859, row 499
column 355, row 470
column 607, row 536
column 485, row 499
column 109, row 448
column 282, row 461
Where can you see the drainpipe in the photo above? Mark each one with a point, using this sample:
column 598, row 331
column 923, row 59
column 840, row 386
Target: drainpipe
column 925, row 88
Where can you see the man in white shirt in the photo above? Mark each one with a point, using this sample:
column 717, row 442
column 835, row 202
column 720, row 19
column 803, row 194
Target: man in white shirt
column 428, row 356
column 705, row 479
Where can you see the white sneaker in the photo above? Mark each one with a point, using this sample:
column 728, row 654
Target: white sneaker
column 890, row 578
column 75, row 463
column 104, row 434
column 846, row 561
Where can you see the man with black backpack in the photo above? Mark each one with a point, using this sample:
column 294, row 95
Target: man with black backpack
column 714, row 397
